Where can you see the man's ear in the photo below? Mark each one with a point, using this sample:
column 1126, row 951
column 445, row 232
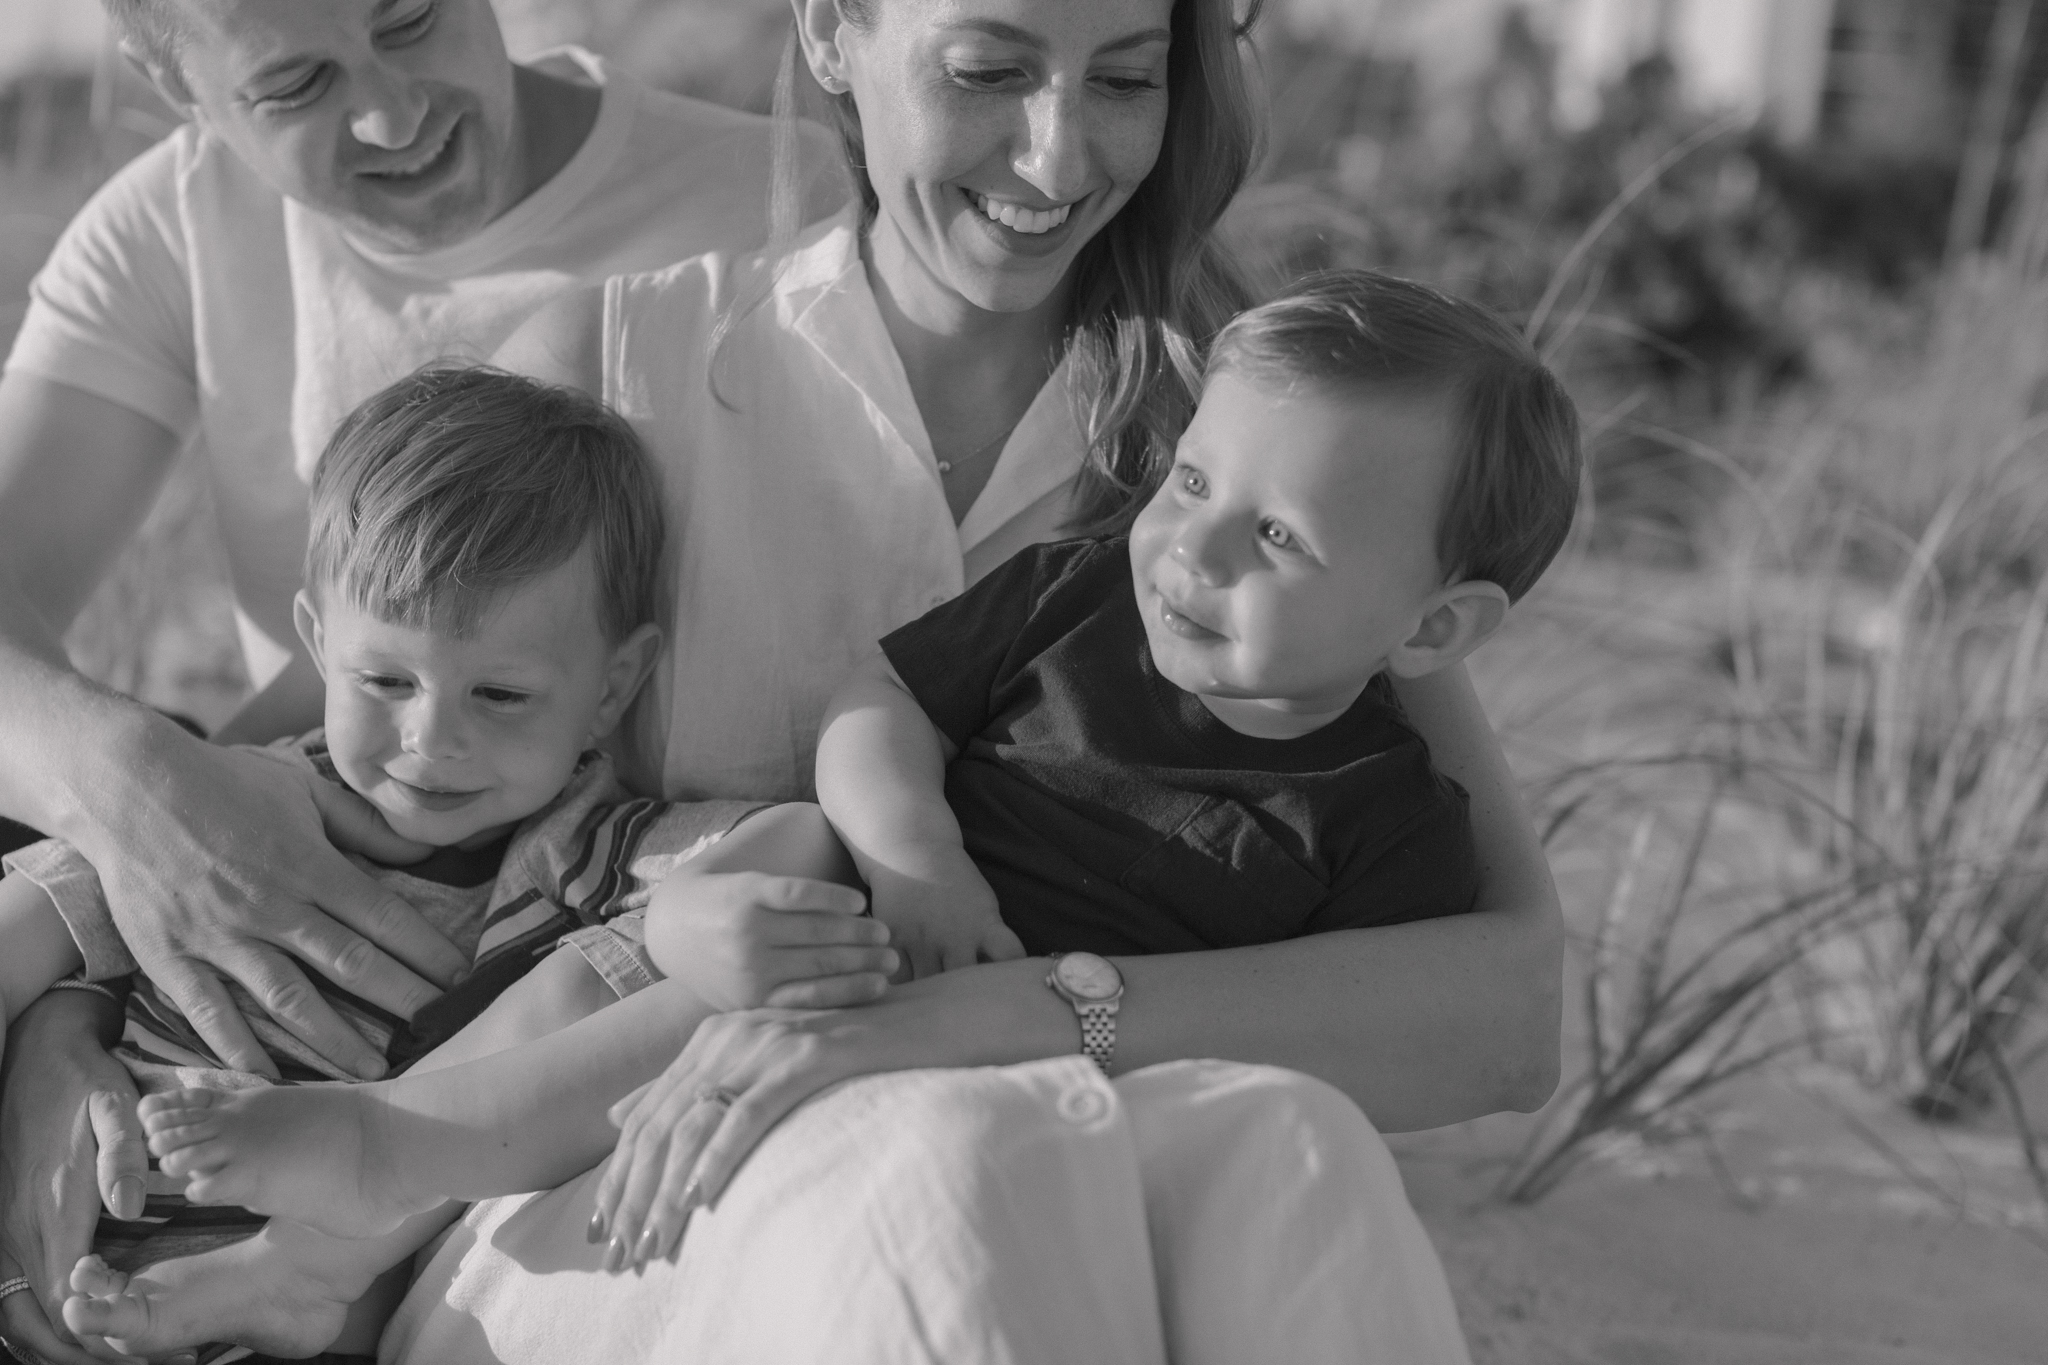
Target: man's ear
column 632, row 660
column 306, row 617
column 166, row 77
column 818, row 26
column 1453, row 622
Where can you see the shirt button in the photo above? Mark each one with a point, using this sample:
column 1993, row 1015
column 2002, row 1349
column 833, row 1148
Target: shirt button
column 1082, row 1104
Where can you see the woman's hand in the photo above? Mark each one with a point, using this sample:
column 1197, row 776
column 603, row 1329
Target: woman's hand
column 69, row 1139
column 685, row 1133
column 222, row 862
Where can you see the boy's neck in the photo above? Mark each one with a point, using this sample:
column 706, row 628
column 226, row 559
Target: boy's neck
column 1274, row 718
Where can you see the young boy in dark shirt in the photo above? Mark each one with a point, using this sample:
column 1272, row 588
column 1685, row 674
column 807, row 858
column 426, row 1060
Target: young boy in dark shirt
column 1188, row 738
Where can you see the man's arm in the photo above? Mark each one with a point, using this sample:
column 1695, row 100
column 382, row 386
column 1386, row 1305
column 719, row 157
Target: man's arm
column 212, row 860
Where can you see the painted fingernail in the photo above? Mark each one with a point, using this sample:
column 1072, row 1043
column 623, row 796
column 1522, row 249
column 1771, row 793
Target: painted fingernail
column 644, row 1249
column 693, row 1195
column 615, row 1255
column 595, row 1232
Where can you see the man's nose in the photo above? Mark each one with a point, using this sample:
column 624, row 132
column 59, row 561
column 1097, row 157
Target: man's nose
column 388, row 111
column 1055, row 157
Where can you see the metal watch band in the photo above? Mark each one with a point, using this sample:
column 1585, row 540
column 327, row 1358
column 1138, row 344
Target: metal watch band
column 1098, row 1033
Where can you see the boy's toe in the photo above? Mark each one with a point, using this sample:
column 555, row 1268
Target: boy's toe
column 94, row 1276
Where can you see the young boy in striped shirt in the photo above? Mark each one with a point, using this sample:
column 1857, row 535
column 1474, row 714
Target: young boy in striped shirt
column 481, row 589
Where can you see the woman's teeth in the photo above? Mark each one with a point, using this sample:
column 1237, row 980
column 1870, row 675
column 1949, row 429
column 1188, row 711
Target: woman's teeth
column 1020, row 219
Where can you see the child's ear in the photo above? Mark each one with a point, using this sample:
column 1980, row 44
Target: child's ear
column 1454, row 621
column 633, row 658
column 306, row 617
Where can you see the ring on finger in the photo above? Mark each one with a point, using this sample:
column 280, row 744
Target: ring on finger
column 18, row 1285
column 714, row 1094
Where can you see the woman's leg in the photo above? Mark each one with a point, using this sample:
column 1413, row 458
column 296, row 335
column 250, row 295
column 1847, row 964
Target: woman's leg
column 1279, row 1226
column 963, row 1217
column 994, row 1215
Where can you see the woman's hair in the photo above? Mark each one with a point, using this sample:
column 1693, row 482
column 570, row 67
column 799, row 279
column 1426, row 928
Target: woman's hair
column 1152, row 288
column 1516, row 460
column 459, row 482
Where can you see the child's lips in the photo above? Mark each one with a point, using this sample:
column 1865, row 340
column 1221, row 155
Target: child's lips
column 1177, row 620
column 434, row 798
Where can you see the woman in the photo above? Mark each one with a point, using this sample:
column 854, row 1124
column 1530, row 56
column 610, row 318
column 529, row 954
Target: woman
column 995, row 351
column 896, row 402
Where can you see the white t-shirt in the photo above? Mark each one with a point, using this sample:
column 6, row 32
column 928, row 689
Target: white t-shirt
column 193, row 293
column 805, row 510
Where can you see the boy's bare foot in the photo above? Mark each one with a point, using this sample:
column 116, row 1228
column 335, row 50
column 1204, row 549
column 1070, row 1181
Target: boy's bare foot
column 283, row 1292
column 309, row 1153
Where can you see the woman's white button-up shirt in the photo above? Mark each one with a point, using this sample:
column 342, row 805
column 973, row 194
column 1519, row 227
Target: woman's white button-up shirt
column 805, row 514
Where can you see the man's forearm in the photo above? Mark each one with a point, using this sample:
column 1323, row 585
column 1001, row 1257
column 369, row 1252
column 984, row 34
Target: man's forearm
column 66, row 743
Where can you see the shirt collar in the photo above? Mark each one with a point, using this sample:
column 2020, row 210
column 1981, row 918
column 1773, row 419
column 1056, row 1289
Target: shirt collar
column 821, row 293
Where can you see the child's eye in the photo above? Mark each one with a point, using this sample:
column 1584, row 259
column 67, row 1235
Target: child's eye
column 501, row 696
column 1277, row 536
column 1191, row 482
column 409, row 29
column 384, row 683
column 299, row 93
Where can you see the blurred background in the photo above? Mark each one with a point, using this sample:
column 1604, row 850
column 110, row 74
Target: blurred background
column 1781, row 709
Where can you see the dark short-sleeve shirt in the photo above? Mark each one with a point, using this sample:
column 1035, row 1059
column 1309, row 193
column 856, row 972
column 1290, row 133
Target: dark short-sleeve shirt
column 1113, row 813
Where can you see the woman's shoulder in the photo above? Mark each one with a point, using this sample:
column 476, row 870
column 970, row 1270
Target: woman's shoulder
column 683, row 292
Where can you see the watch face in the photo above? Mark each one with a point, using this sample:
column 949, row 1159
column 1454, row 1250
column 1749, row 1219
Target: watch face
column 1088, row 976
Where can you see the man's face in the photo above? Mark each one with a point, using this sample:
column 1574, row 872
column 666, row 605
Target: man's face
column 394, row 117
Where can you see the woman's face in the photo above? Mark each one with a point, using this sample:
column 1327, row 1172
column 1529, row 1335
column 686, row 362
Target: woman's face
column 1002, row 135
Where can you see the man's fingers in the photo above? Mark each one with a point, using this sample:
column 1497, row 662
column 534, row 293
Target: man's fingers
column 123, row 1161
column 395, row 931
column 290, row 998
column 352, row 961
column 355, row 825
column 211, row 1012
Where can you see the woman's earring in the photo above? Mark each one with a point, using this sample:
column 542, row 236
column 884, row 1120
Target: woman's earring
column 833, row 85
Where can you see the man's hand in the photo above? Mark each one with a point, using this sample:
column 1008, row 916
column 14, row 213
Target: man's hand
column 744, row 939
column 222, row 862
column 942, row 913
column 69, row 1140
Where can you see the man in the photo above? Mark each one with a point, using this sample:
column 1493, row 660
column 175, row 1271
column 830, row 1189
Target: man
column 362, row 186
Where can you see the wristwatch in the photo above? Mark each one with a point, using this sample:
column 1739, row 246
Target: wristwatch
column 1095, row 988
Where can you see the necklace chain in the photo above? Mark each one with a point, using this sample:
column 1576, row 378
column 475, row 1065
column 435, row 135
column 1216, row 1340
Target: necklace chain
column 946, row 467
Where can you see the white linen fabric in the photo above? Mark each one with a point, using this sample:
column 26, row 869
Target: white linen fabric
column 805, row 510
column 1207, row 1213
column 194, row 294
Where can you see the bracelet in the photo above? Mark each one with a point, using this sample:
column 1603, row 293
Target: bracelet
column 72, row 983
column 18, row 1285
